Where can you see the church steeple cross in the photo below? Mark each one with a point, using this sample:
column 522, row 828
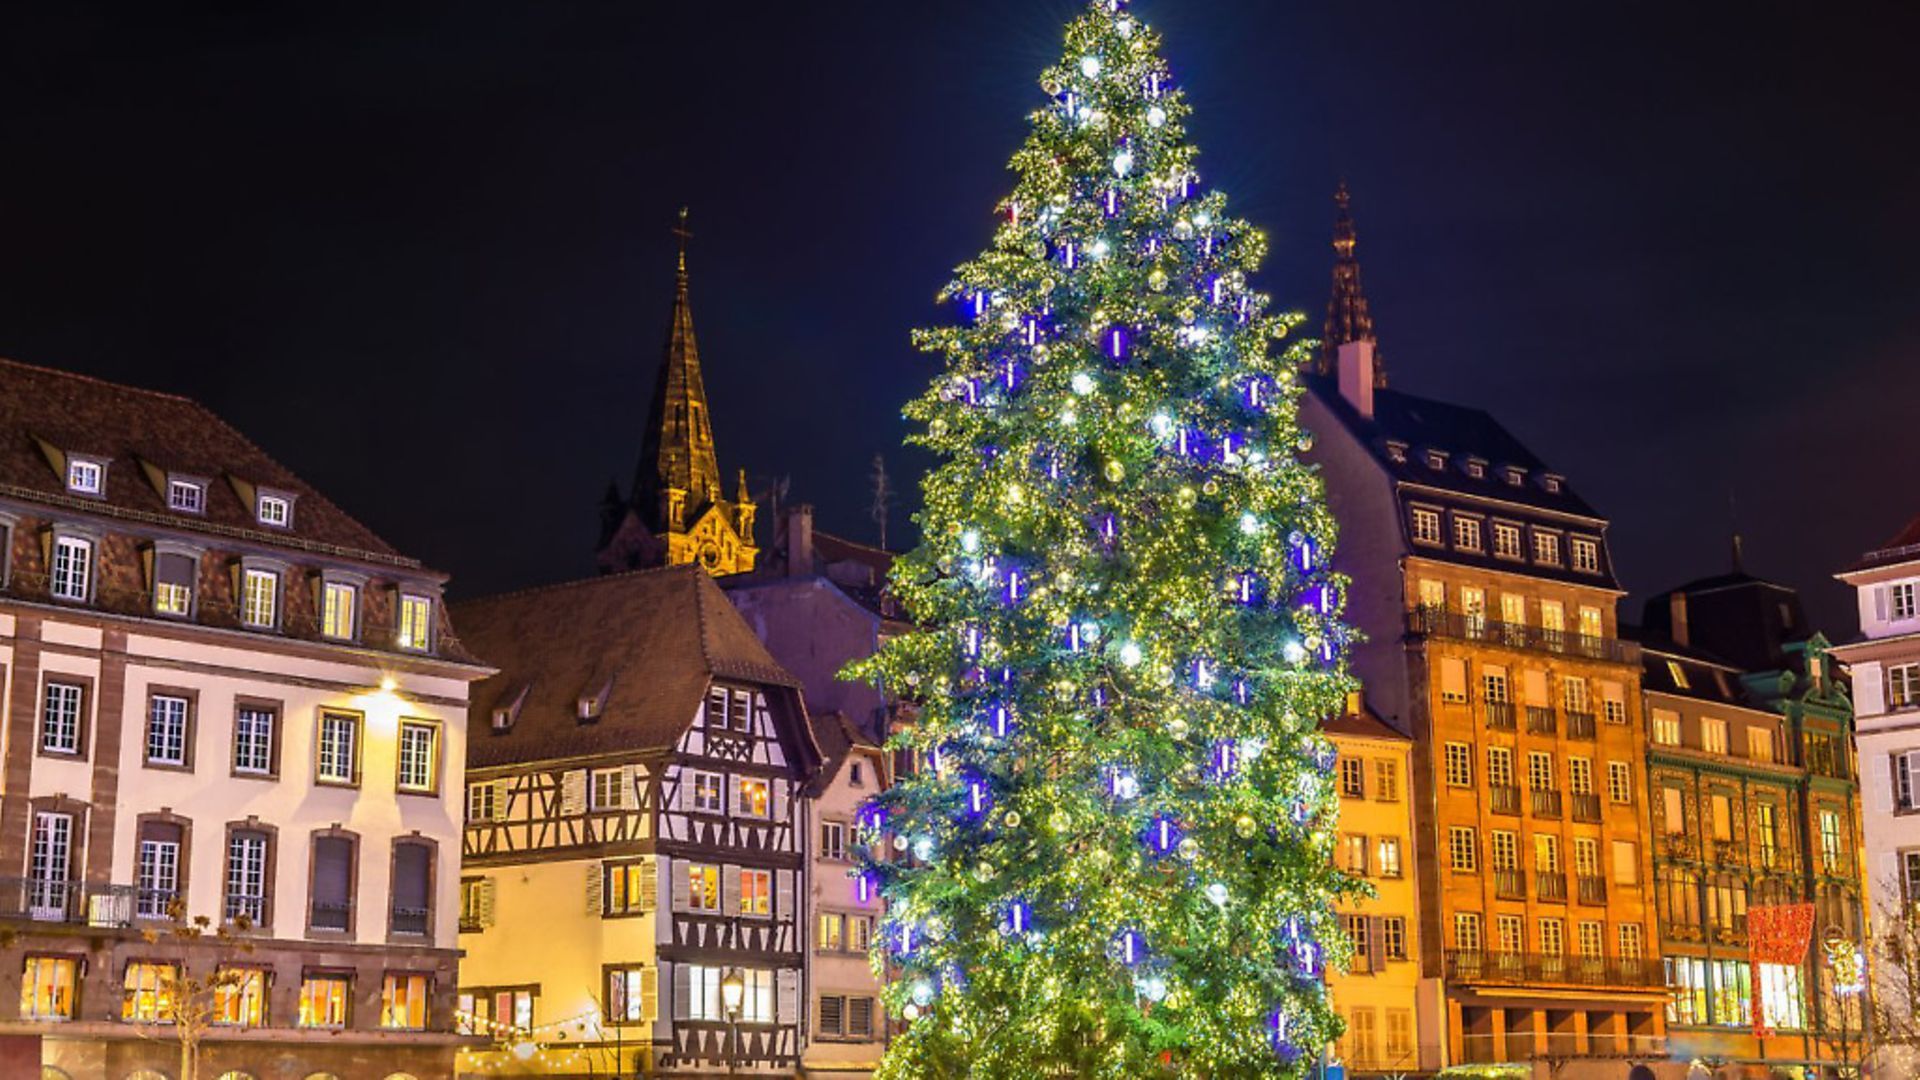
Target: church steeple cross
column 682, row 234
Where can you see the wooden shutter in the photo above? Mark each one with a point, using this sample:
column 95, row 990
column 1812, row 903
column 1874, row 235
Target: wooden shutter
column 787, row 985
column 596, row 888
column 777, row 786
column 832, row 1016
column 1535, row 687
column 1376, row 944
column 649, row 885
column 573, row 792
column 783, row 894
column 502, row 798
column 680, row 890
column 1880, row 603
column 730, row 890
column 860, row 1016
column 650, row 994
column 679, row 780
column 486, row 901
column 1453, row 678
column 682, row 992
column 629, row 797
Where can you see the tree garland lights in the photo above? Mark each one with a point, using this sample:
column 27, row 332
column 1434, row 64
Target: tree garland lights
column 1115, row 856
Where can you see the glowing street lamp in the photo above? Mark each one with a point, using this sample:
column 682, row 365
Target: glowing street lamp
column 733, row 993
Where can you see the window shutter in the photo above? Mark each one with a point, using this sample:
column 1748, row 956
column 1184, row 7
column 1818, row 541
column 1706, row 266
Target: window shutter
column 681, row 893
column 682, row 991
column 649, row 884
column 573, row 792
column 629, row 798
column 1882, row 795
column 596, row 888
column 486, row 901
column 502, row 796
column 680, row 780
column 778, row 786
column 1880, row 603
column 832, row 1015
column 1376, row 944
column 332, row 870
column 1453, row 677
column 787, row 981
column 1536, row 687
column 650, row 994
column 730, row 890
column 412, row 869
column 783, row 895
column 860, row 1016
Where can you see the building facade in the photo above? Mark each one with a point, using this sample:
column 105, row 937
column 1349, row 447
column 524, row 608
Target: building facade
column 846, row 1021
column 635, row 805
column 1486, row 592
column 224, row 700
column 1391, row 1011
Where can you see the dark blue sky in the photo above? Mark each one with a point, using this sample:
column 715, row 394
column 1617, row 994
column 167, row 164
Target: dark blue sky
column 420, row 252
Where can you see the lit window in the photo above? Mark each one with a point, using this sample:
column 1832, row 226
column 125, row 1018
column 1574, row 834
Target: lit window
column 1546, row 548
column 756, row 892
column 1760, row 743
column 1673, row 811
column 1506, row 540
column 1630, row 942
column 1466, row 533
column 1353, row 854
column 754, row 798
column 1393, row 933
column 247, row 877
column 1433, row 594
column 833, row 932
column 1619, row 781
column 1592, row 624
column 1459, row 764
column 1386, row 780
column 72, row 569
column 147, row 993
column 630, row 888
column 417, row 742
column 1586, row 555
column 1903, row 686
column 1713, row 735
column 1552, row 937
column 704, row 1001
column 1387, row 856
column 1353, row 778
column 1503, row 849
column 1463, row 849
column 60, row 719
column 1540, row 772
column 416, row 622
column 1511, row 930
column 403, row 1002
column 275, row 510
column 337, row 609
column 633, row 995
column 1679, row 675
column 1500, row 766
column 186, row 496
column 240, row 997
column 46, row 988
column 1426, row 526
column 167, row 730
column 84, row 477
column 173, row 580
column 707, row 792
column 703, row 888
column 323, row 1001
column 253, row 740
column 833, row 840
column 1666, row 727
column 260, row 599
column 1592, row 938
column 1580, row 775
column 336, row 762
column 1466, row 931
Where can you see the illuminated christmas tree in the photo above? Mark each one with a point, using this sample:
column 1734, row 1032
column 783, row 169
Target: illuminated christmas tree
column 1114, row 857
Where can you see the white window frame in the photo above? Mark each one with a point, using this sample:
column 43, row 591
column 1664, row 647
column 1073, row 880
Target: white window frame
column 328, row 758
column 252, row 599
column 61, row 734
column 833, row 840
column 707, row 791
column 741, row 803
column 1546, row 547
column 1620, row 782
column 253, row 737
column 1506, row 541
column 156, row 877
column 339, row 601
column 696, row 897
column 173, row 736
column 1468, row 533
column 1458, row 760
column 414, row 626
column 1584, row 552
column 86, row 476
column 194, row 503
column 273, row 510
column 1423, row 526
column 72, row 576
column 423, row 766
column 246, row 892
column 762, row 892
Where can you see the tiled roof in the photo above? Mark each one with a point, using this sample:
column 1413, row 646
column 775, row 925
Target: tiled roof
column 838, row 737
column 1904, row 546
column 1362, row 725
column 136, row 430
column 651, row 641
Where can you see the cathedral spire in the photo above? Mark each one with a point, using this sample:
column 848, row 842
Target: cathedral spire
column 1348, row 319
column 678, row 474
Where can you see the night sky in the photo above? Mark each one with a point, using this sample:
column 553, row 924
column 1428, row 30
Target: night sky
column 421, row 253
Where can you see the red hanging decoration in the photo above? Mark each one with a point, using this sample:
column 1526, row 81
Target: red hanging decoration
column 1776, row 934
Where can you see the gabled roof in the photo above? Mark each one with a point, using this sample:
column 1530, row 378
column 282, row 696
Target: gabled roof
column 651, row 640
column 144, row 435
column 1363, row 725
column 1903, row 546
column 839, row 738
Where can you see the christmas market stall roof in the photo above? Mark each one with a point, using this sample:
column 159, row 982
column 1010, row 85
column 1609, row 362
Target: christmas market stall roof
column 636, row 651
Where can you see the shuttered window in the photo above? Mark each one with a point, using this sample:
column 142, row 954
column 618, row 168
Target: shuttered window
column 173, row 580
column 412, row 888
column 332, row 883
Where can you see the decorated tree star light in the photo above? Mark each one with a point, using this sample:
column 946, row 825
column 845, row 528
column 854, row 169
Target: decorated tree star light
column 1113, row 856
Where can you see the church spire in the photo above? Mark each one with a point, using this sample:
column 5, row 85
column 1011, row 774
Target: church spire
column 1347, row 316
column 678, row 474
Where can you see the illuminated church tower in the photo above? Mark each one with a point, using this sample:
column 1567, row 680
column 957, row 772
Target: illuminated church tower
column 1348, row 319
column 677, row 511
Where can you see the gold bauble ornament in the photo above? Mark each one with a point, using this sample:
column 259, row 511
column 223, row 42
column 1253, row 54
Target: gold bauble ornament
column 1157, row 280
column 1012, row 819
column 1114, row 471
column 1245, row 826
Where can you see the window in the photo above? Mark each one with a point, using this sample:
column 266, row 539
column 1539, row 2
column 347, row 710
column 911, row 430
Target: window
column 1626, row 862
column 412, row 890
column 1722, row 810
column 1546, row 853
column 1592, row 940
column 331, row 904
column 629, row 888
column 1580, row 775
column 46, row 988
column 1399, row 1034
column 1466, row 931
column 418, row 741
column 1760, row 743
column 323, row 1001
column 707, row 788
column 1513, row 609
column 483, row 801
column 1393, row 935
column 1353, row 778
column 247, row 877
column 415, row 630
column 477, row 1009
column 1678, row 675
column 1493, row 685
column 1780, row 996
column 1766, row 827
column 833, row 840
column 84, row 477
column 1466, row 532
column 845, row 1016
column 1592, row 624
column 756, row 892
column 1463, row 850
column 260, row 599
column 1666, row 727
column 633, row 995
column 253, row 731
column 186, row 496
column 240, row 997
column 166, row 730
column 1673, row 811
column 1387, row 856
column 1630, row 942
column 156, row 869
column 403, row 1002
column 147, row 993
column 1900, row 601
column 1473, row 605
column 61, row 718
column 1553, row 937
column 1353, row 853
column 1586, row 554
column 1511, row 933
column 1546, row 548
column 1613, row 702
column 173, row 581
column 476, row 904
column 1500, row 766
column 337, row 601
column 1553, row 619
column 752, row 798
column 1453, row 680
column 1459, row 765
column 50, row 865
column 1620, row 782
column 1830, row 860
column 857, row 775
column 1425, row 526
column 1356, row 928
column 1506, row 540
column 1573, row 695
column 1903, row 686
column 274, row 510
column 703, row 1000
column 1910, row 876
column 337, row 761
column 1540, row 771
column 609, row 790
column 833, row 932
column 1386, row 780
column 1433, row 594
column 1713, row 735
column 1586, row 856
column 1503, row 848
column 72, row 569
column 703, row 888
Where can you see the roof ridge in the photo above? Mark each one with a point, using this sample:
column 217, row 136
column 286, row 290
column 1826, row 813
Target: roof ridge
column 700, row 614
column 99, row 381
column 556, row 586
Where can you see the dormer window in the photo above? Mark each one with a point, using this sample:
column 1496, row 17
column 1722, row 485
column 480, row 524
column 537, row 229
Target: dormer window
column 1550, row 483
column 186, row 496
column 508, row 712
column 85, row 476
column 339, row 609
column 274, row 510
column 502, row 719
column 1516, row 476
column 1476, row 468
column 1436, row 460
column 415, row 630
column 589, row 708
column 1397, row 452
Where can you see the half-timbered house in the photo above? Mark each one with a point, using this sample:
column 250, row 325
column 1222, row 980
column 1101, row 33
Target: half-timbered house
column 635, row 808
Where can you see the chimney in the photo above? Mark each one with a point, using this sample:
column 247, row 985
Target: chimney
column 1677, row 618
column 1355, row 365
column 800, row 541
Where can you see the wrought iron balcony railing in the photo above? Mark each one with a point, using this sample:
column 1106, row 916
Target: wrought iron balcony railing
column 1540, row 721
column 1592, row 889
column 1581, row 725
column 1546, row 969
column 1504, row 799
column 1586, row 807
column 75, row 902
column 1551, row 885
column 1510, row 884
column 1452, row 624
column 1546, row 803
column 1500, row 715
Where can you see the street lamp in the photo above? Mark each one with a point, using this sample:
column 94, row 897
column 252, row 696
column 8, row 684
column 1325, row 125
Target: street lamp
column 733, row 992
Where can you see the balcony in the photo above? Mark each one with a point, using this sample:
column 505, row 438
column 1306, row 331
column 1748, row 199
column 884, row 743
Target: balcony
column 1546, row 803
column 1504, row 799
column 1582, row 725
column 1509, row 884
column 1540, row 721
column 1550, row 885
column 1592, row 889
column 331, row 914
column 1586, row 807
column 1437, row 622
column 1537, row 969
column 1500, row 715
column 75, row 903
